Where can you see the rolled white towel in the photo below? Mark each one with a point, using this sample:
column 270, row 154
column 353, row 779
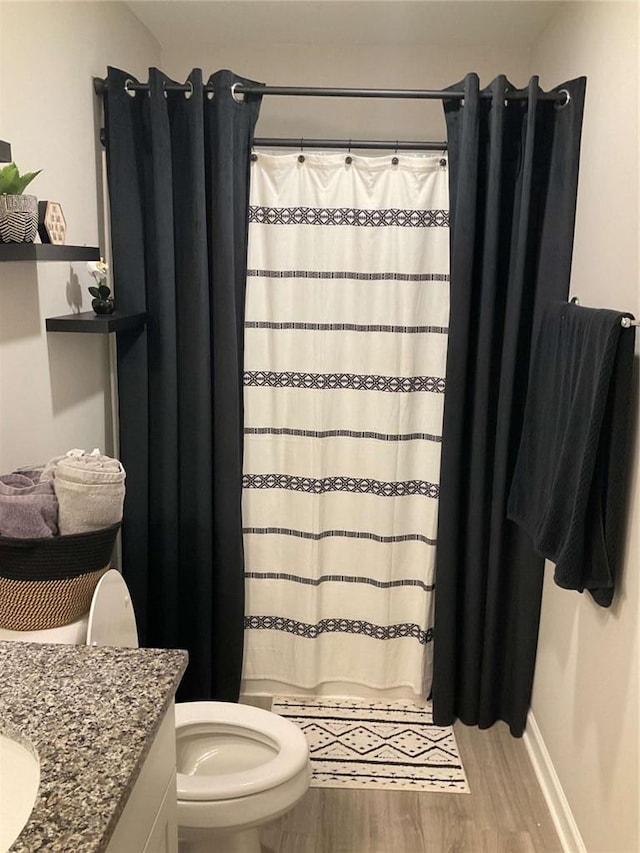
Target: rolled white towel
column 49, row 470
column 87, row 506
column 88, row 470
column 90, row 491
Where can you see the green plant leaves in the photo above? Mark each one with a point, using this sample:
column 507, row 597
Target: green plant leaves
column 26, row 179
column 12, row 182
column 100, row 292
column 9, row 177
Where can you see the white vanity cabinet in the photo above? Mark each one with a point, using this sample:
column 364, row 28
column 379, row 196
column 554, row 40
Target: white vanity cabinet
column 148, row 823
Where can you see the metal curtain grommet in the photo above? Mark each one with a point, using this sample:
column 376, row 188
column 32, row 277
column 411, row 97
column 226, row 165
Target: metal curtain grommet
column 238, row 97
column 188, row 94
column 131, row 92
column 254, row 157
column 348, row 159
column 300, row 158
column 395, row 161
column 443, row 162
column 560, row 105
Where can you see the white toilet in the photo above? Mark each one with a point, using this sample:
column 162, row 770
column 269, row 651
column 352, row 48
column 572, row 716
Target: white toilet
column 238, row 767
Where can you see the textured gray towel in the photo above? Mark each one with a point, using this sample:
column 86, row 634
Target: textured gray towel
column 90, row 491
column 28, row 506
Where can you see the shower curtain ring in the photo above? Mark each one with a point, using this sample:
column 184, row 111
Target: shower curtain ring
column 237, row 96
column 395, row 159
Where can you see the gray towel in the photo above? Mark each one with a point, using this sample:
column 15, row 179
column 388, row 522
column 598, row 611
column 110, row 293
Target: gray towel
column 90, row 491
column 28, row 506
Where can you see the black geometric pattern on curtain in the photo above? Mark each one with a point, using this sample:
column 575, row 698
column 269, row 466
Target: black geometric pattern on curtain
column 513, row 180
column 178, row 172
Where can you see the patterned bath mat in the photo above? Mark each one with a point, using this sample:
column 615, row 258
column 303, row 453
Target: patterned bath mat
column 355, row 743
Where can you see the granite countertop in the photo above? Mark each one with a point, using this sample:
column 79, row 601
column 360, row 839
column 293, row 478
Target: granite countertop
column 91, row 714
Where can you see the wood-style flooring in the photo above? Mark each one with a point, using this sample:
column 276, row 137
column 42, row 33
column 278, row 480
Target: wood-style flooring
column 504, row 813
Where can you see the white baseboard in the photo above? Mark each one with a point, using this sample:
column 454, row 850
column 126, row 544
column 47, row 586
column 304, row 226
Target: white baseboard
column 561, row 813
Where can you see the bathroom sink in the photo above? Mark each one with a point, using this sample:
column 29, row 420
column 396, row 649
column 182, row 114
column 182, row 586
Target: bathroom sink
column 19, row 781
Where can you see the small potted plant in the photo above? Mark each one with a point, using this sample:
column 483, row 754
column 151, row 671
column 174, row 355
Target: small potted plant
column 18, row 212
column 102, row 302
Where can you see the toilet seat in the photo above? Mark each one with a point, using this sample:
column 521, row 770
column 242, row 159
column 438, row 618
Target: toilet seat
column 290, row 760
column 112, row 621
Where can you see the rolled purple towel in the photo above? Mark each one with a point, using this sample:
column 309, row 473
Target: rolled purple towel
column 28, row 507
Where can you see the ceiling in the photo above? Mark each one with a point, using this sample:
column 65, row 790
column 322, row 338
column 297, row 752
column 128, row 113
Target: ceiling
column 344, row 22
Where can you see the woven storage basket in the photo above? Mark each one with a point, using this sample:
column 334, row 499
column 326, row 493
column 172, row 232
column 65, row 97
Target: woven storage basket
column 46, row 583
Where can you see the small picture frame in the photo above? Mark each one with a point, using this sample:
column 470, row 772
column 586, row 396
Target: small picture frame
column 52, row 226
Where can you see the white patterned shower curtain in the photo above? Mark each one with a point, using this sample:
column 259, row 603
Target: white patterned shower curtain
column 345, row 350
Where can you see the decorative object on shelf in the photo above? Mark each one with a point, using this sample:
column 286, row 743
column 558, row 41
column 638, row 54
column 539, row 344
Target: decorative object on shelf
column 52, row 226
column 18, row 212
column 102, row 302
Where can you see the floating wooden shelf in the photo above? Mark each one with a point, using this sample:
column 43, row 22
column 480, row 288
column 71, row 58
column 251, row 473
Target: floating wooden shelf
column 47, row 252
column 87, row 321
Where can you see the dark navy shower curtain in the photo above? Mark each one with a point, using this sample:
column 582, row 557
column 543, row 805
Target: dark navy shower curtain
column 513, row 173
column 178, row 167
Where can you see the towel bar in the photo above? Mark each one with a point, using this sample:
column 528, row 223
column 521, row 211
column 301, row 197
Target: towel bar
column 625, row 322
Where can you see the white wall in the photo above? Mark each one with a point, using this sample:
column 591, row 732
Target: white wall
column 54, row 387
column 585, row 698
column 370, row 66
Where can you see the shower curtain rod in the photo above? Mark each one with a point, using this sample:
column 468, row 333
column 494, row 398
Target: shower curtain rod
column 419, row 94
column 349, row 144
column 561, row 97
